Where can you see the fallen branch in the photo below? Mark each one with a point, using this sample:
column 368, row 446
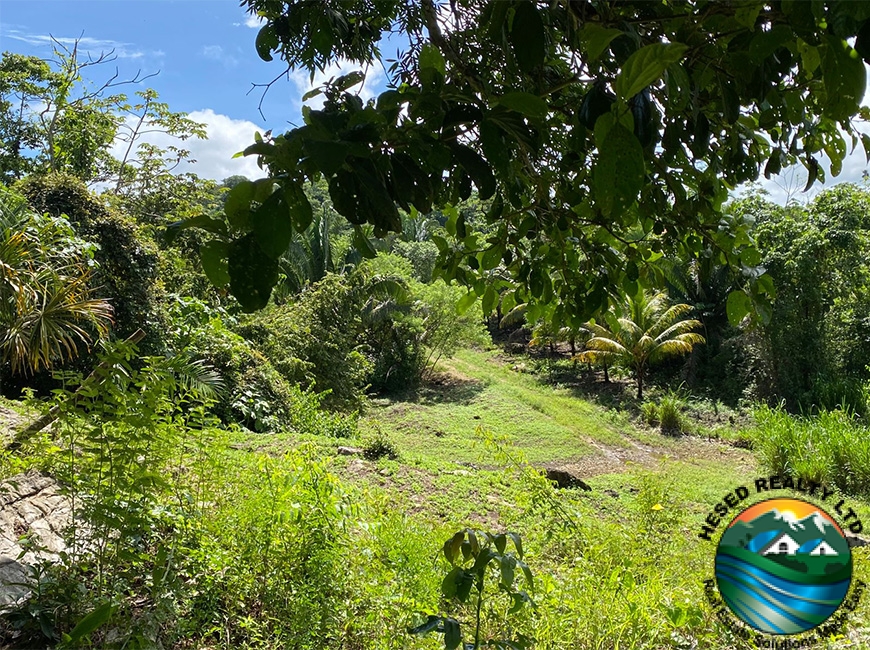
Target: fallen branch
column 98, row 375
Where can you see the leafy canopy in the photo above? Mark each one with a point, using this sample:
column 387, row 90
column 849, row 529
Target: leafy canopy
column 603, row 135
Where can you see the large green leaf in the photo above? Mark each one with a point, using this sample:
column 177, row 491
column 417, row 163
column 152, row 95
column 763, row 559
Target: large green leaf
column 299, row 206
column 526, row 103
column 596, row 39
column 213, row 255
column 328, row 155
column 432, row 65
column 267, row 40
column 619, row 171
column 494, row 146
column 362, row 244
column 432, row 59
column 203, row 221
column 845, row 79
column 452, row 634
column 342, row 191
column 90, row 623
column 272, row 225
column 527, row 37
column 252, row 273
column 376, row 203
column 645, row 66
column 465, row 302
column 477, row 168
column 431, row 623
column 238, row 203
column 737, row 307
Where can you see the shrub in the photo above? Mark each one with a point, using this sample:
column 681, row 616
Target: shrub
column 445, row 329
column 128, row 261
column 315, row 342
column 421, row 254
column 671, row 419
column 256, row 395
column 118, row 446
column 649, row 413
column 306, row 415
column 377, row 444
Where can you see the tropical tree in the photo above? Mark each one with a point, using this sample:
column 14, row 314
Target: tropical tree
column 605, row 134
column 47, row 307
column 647, row 332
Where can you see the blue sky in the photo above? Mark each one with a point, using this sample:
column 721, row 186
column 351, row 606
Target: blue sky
column 204, row 51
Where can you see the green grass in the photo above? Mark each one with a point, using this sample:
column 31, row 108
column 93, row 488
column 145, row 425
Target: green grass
column 297, row 546
column 482, row 391
column 831, row 447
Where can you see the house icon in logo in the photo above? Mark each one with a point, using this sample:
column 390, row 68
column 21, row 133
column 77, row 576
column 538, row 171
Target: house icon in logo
column 784, row 544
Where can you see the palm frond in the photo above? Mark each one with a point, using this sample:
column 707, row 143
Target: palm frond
column 515, row 316
column 680, row 327
column 668, row 317
column 604, row 344
column 682, row 344
column 197, row 376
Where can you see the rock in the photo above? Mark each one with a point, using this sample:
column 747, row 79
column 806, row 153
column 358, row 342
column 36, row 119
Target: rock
column 856, row 540
column 564, row 479
column 31, row 506
column 612, row 493
column 350, row 451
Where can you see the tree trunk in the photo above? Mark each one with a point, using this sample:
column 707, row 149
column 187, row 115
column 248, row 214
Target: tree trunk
column 639, row 384
column 606, row 376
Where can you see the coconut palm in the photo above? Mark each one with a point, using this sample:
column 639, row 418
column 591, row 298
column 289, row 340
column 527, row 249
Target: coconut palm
column 648, row 331
column 47, row 309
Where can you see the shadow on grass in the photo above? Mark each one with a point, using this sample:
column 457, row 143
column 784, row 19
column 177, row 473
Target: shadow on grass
column 440, row 388
column 558, row 371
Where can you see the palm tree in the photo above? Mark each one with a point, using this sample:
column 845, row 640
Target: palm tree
column 648, row 331
column 46, row 305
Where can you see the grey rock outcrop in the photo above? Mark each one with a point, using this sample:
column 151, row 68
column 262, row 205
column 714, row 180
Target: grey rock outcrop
column 32, row 507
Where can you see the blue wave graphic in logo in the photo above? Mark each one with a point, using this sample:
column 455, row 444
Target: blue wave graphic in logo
column 771, row 603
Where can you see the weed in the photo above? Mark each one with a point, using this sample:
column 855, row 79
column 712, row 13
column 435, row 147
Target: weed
column 649, row 412
column 671, row 419
column 471, row 581
column 377, row 444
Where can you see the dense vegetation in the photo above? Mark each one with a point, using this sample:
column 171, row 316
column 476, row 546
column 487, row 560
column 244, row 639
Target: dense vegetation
column 350, row 373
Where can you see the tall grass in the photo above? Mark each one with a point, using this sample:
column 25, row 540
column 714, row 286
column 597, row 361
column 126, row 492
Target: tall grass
column 832, row 447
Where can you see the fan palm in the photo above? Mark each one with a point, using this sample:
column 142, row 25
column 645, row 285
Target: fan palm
column 648, row 331
column 46, row 306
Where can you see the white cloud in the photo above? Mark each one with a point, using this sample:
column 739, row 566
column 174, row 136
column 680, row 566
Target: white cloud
column 217, row 53
column 253, row 21
column 303, row 82
column 214, row 157
column 86, row 44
